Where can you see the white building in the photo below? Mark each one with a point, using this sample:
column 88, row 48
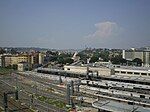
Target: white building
column 0, row 60
column 22, row 66
column 131, row 71
column 41, row 58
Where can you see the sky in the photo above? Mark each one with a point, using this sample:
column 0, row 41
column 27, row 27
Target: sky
column 75, row 24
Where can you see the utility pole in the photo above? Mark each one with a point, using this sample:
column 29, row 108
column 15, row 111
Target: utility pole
column 6, row 98
column 78, row 85
column 87, row 73
column 5, row 102
column 70, row 92
column 60, row 80
column 98, row 96
column 72, row 87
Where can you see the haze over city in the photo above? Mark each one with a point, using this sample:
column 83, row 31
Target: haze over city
column 74, row 24
column 74, row 55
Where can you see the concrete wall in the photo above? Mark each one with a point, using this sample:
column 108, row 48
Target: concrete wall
column 102, row 71
column 83, row 69
column 76, row 69
column 22, row 66
column 143, row 55
column 138, row 55
column 129, row 55
column 147, row 59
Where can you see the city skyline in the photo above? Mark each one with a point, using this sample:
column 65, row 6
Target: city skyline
column 75, row 24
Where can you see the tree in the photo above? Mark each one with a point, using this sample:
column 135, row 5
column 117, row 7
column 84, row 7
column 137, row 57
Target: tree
column 68, row 60
column 118, row 60
column 104, row 55
column 123, row 61
column 63, row 60
column 94, row 59
column 2, row 51
column 137, row 62
column 83, row 57
column 14, row 67
column 13, row 51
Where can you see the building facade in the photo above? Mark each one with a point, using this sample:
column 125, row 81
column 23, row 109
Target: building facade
column 41, row 58
column 85, row 69
column 131, row 71
column 22, row 66
column 132, row 54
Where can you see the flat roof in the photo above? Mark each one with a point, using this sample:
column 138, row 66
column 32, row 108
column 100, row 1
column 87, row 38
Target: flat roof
column 133, row 68
column 115, row 106
column 127, row 77
column 121, row 77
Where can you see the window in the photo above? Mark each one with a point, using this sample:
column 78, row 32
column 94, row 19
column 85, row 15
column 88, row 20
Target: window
column 131, row 103
column 136, row 73
column 123, row 72
column 143, row 73
column 68, row 68
column 142, row 96
column 116, row 71
column 129, row 72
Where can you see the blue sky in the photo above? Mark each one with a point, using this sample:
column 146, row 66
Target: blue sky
column 65, row 24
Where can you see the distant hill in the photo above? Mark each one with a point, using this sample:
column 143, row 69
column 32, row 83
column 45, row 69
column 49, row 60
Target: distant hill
column 27, row 49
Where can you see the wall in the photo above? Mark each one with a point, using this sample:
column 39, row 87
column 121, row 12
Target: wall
column 80, row 69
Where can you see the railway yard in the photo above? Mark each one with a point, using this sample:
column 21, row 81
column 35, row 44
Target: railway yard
column 47, row 91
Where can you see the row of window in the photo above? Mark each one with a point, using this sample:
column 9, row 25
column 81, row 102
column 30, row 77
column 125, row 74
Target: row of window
column 136, row 73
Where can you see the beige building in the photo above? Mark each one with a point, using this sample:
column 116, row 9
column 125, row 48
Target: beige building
column 33, row 59
column 22, row 58
column 3, row 59
column 14, row 59
column 7, row 61
column 84, row 69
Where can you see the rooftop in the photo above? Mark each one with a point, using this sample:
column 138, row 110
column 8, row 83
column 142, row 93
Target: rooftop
column 116, row 106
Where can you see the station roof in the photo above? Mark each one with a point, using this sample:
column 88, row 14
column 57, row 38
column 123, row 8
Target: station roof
column 116, row 106
column 132, row 78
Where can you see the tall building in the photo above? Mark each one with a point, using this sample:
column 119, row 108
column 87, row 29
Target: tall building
column 0, row 60
column 41, row 58
column 7, row 61
column 34, row 59
column 144, row 55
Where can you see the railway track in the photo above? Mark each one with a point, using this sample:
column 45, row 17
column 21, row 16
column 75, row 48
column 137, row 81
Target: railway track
column 30, row 90
column 14, row 105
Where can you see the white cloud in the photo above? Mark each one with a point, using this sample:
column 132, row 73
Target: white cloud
column 105, row 30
